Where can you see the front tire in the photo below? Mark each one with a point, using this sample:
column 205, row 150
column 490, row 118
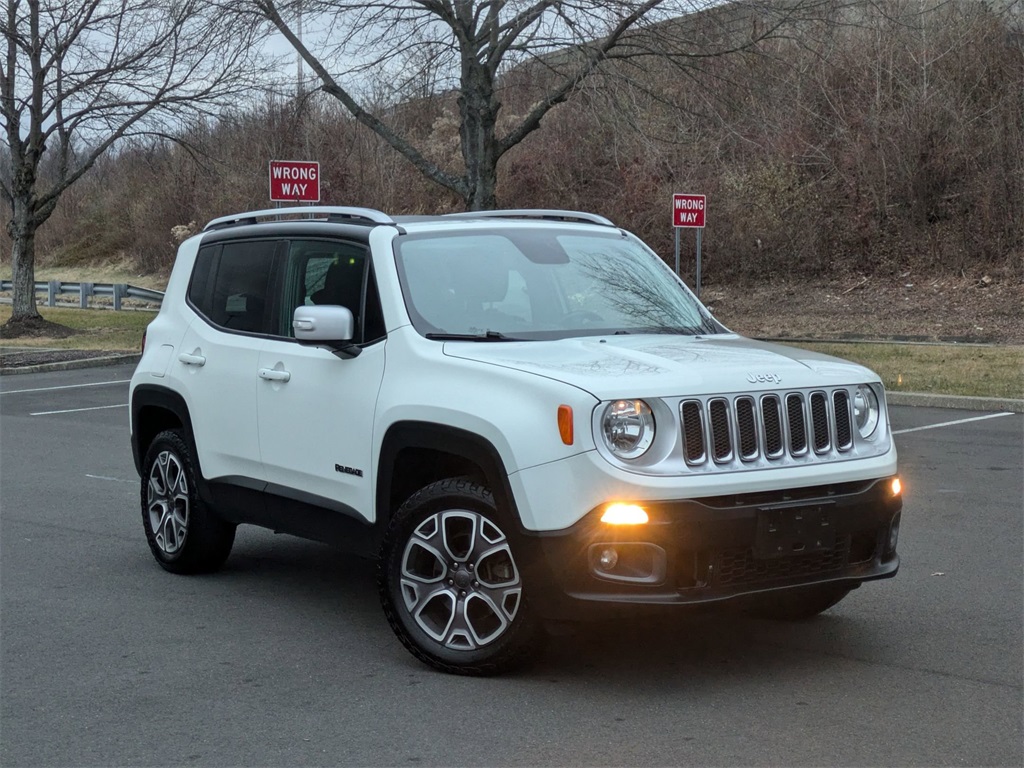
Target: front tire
column 450, row 585
column 184, row 534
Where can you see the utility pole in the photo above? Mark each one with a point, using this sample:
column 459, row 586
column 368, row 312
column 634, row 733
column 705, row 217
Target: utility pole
column 300, row 86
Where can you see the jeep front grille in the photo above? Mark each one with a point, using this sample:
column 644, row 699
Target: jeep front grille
column 693, row 432
column 721, row 440
column 819, row 420
column 766, row 429
column 771, row 425
column 797, row 424
column 841, row 407
column 746, row 428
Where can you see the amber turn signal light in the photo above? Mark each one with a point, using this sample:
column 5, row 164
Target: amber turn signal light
column 624, row 514
column 565, row 423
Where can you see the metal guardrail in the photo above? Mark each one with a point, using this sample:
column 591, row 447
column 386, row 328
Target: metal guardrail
column 118, row 291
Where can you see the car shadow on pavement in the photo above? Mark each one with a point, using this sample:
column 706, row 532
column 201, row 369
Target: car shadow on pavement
column 642, row 648
column 302, row 570
column 710, row 644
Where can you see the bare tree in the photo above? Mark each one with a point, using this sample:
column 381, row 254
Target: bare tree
column 471, row 46
column 77, row 76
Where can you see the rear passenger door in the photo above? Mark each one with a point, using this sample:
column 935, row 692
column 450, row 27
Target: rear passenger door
column 233, row 293
column 316, row 410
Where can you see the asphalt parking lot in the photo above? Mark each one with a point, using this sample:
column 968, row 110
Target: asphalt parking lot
column 284, row 658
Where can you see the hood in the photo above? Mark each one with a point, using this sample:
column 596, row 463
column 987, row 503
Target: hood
column 611, row 367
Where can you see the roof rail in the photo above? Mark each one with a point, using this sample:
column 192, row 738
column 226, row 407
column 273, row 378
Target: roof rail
column 335, row 213
column 534, row 213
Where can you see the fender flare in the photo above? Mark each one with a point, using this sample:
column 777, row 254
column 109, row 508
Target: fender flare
column 444, row 439
column 147, row 396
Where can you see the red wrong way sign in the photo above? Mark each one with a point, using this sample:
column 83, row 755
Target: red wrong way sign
column 294, row 181
column 688, row 210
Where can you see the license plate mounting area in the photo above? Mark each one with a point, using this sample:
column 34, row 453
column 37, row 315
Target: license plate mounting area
column 793, row 531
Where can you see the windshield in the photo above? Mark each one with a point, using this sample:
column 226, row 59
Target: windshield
column 541, row 284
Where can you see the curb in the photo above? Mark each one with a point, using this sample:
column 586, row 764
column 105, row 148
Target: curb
column 960, row 402
column 71, row 365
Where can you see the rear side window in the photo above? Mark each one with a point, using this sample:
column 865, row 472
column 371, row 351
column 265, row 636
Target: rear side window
column 232, row 286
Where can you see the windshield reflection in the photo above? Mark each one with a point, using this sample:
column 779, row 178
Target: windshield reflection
column 541, row 284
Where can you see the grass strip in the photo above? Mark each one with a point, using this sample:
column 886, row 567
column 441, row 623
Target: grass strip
column 972, row 371
column 100, row 329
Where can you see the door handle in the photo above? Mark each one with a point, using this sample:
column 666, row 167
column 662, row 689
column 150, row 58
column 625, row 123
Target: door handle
column 272, row 374
column 187, row 359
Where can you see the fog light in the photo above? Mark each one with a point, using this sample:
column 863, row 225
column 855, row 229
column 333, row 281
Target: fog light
column 624, row 514
column 628, row 562
column 894, row 533
column 897, row 486
column 608, row 559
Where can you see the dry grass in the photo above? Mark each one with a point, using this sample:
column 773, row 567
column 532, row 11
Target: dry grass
column 977, row 371
column 112, row 272
column 981, row 371
column 98, row 329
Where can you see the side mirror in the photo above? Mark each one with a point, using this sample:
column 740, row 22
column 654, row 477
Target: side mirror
column 326, row 326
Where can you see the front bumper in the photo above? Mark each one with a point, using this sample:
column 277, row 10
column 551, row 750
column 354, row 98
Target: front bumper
column 713, row 549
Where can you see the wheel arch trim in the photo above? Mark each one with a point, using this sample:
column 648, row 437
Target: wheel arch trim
column 161, row 398
column 441, row 438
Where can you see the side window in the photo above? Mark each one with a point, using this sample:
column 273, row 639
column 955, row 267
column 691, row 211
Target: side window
column 325, row 272
column 231, row 286
column 201, row 285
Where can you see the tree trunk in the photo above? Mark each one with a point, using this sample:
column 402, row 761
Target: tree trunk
column 22, row 229
column 478, row 110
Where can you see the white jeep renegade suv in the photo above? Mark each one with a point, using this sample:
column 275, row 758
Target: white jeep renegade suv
column 525, row 415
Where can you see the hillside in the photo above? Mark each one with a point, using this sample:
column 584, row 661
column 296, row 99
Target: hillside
column 904, row 308
column 891, row 148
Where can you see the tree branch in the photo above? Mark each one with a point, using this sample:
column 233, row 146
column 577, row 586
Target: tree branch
column 593, row 55
column 331, row 87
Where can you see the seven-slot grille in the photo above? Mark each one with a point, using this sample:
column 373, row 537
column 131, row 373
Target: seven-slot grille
column 771, row 426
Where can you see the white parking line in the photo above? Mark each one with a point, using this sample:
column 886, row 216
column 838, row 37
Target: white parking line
column 111, row 479
column 951, row 423
column 79, row 410
column 66, row 386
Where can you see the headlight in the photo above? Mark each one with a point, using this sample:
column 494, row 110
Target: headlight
column 628, row 427
column 865, row 410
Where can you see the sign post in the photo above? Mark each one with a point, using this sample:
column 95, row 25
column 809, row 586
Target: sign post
column 294, row 181
column 688, row 212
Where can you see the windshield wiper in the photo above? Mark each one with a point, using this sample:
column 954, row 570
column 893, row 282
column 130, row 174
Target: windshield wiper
column 485, row 336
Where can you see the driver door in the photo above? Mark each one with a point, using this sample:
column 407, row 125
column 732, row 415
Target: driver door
column 316, row 409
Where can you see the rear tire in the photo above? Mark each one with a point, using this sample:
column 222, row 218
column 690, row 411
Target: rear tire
column 184, row 534
column 450, row 585
column 797, row 604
